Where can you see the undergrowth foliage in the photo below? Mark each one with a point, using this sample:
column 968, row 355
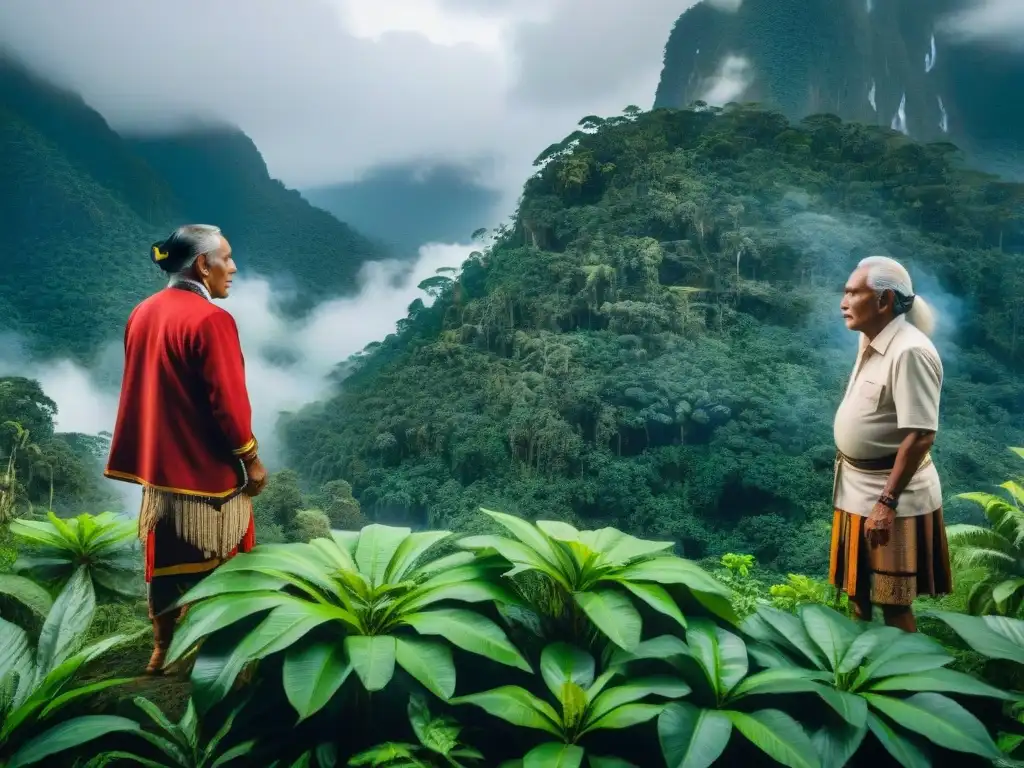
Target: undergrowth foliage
column 527, row 651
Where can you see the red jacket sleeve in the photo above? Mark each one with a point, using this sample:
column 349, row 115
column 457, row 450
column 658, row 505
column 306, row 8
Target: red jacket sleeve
column 223, row 371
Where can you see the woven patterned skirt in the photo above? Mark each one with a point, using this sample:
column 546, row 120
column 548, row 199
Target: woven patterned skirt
column 915, row 561
column 185, row 539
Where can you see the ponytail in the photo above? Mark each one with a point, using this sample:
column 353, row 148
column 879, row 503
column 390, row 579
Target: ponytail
column 921, row 316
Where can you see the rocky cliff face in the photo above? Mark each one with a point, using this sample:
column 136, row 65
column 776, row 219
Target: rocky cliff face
column 886, row 62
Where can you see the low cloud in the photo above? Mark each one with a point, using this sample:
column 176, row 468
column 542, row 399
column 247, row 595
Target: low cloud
column 733, row 77
column 998, row 21
column 329, row 89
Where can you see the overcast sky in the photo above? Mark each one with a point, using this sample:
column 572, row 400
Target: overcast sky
column 331, row 88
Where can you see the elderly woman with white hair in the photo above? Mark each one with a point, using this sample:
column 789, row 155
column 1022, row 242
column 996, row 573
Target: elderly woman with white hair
column 888, row 537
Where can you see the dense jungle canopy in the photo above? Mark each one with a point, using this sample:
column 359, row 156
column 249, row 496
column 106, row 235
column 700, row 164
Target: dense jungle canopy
column 654, row 342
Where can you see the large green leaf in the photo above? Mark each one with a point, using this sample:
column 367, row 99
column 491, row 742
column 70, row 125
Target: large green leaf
column 777, row 735
column 906, row 653
column 409, row 551
column 836, row 743
column 215, row 614
column 465, row 592
column 553, row 755
column 66, row 623
column 158, row 717
column 68, row 735
column 561, row 663
column 692, row 737
column 26, row 592
column 904, row 750
column 127, row 583
column 238, row 750
column 939, row 680
column 658, row 598
column 532, row 537
column 867, row 645
column 1005, row 590
column 784, row 630
column 222, row 582
column 940, row 720
column 373, row 659
column 722, row 654
column 618, row 548
column 74, row 694
column 911, row 664
column 376, row 546
column 519, row 554
column 280, row 629
column 675, row 570
column 625, row 716
column 296, row 562
column 664, row 686
column 517, row 706
column 469, row 631
column 613, row 614
column 851, row 708
column 454, row 560
column 312, row 674
column 429, row 662
column 284, row 626
column 829, row 630
column 334, row 555
column 15, row 651
column 664, row 647
column 38, row 532
column 997, row 637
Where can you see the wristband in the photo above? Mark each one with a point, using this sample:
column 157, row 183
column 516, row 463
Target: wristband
column 888, row 500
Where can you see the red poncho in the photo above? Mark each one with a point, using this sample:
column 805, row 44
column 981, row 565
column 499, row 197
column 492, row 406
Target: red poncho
column 184, row 418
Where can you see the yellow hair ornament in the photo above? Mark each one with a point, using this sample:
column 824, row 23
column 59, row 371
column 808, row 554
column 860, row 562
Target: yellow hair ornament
column 159, row 255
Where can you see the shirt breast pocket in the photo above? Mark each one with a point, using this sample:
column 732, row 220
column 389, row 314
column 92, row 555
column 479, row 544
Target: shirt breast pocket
column 869, row 395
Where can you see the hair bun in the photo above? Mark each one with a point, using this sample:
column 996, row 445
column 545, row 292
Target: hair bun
column 161, row 255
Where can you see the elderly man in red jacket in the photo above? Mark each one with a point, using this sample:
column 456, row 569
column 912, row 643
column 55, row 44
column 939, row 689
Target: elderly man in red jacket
column 184, row 425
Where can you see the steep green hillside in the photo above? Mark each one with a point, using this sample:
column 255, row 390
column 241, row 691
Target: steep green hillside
column 74, row 259
column 219, row 176
column 859, row 60
column 81, row 206
column 655, row 343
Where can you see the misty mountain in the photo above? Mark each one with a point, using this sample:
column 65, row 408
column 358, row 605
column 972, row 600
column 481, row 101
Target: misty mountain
column 83, row 203
column 439, row 204
column 892, row 64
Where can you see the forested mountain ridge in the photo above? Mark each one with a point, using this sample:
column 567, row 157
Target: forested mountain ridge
column 219, row 175
column 82, row 204
column 893, row 64
column 655, row 343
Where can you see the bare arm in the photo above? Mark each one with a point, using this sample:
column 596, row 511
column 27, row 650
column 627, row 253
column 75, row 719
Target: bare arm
column 911, row 453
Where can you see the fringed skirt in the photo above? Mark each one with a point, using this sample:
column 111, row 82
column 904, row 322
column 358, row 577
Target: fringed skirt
column 914, row 562
column 185, row 538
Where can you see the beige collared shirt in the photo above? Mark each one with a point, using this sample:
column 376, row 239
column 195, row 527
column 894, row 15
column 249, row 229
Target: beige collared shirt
column 895, row 387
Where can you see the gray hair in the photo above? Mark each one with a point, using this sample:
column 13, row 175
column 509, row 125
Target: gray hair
column 885, row 274
column 178, row 253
